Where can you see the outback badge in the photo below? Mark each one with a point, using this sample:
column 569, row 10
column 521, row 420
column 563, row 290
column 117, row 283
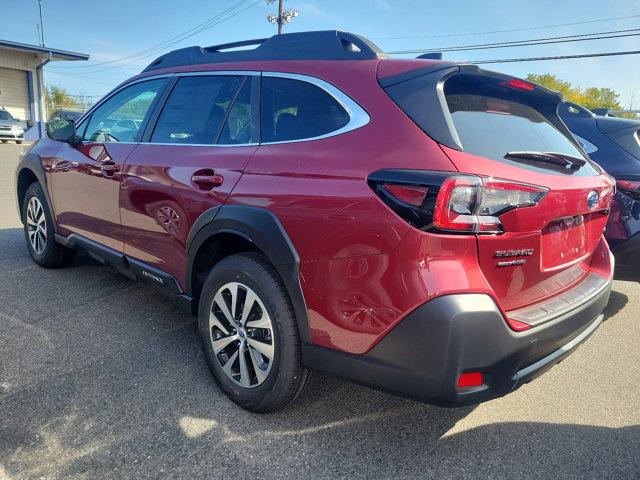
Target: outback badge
column 523, row 252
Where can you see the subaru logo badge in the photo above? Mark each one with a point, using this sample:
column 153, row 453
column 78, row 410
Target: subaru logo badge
column 592, row 199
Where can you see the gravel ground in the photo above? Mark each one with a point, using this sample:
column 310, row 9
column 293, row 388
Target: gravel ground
column 101, row 377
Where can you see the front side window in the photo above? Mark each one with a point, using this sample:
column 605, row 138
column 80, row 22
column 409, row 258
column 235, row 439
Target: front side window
column 295, row 110
column 196, row 109
column 120, row 118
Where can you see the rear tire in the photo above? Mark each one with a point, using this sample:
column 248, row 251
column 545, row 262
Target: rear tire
column 39, row 232
column 253, row 352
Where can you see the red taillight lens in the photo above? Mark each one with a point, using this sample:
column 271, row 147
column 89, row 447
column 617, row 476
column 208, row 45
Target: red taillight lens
column 467, row 203
column 413, row 195
column 471, row 379
column 631, row 188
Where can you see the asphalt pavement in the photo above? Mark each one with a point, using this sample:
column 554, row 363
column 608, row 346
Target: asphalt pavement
column 101, row 377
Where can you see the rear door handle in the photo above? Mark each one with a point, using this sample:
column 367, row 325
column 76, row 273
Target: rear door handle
column 108, row 169
column 207, row 180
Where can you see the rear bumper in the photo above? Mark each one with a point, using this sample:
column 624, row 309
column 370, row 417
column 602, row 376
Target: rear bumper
column 424, row 355
column 627, row 255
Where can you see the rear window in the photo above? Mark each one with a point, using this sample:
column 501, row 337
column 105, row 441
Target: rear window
column 489, row 116
column 490, row 121
column 296, row 110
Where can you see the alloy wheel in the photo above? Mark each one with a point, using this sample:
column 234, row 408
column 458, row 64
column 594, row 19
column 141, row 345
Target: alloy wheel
column 241, row 334
column 36, row 225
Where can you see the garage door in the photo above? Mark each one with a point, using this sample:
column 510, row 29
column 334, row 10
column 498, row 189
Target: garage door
column 14, row 92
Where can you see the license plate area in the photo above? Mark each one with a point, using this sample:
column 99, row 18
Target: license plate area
column 570, row 239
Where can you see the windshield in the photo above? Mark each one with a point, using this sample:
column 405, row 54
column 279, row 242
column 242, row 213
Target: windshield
column 492, row 122
column 4, row 115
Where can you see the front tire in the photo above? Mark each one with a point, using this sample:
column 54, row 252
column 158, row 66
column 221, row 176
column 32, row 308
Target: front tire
column 249, row 334
column 19, row 142
column 39, row 231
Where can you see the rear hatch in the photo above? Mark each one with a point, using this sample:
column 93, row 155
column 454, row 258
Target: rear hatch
column 624, row 132
column 543, row 204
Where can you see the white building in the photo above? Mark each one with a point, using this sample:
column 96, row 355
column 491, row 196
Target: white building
column 22, row 90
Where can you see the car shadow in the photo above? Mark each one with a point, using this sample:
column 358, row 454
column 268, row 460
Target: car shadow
column 617, row 301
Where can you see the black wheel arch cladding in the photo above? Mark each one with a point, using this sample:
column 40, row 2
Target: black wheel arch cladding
column 31, row 164
column 263, row 229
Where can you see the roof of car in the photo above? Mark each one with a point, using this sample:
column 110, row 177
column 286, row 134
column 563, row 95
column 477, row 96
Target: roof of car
column 319, row 45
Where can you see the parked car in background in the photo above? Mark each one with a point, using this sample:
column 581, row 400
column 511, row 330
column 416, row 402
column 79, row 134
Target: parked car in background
column 10, row 128
column 614, row 143
column 66, row 114
column 424, row 227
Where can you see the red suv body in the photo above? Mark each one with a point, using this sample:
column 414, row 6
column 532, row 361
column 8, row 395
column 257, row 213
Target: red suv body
column 435, row 228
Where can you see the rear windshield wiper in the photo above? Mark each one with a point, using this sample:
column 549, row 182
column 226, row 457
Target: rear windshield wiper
column 554, row 158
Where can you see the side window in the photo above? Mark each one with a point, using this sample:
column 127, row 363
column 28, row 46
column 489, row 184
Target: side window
column 237, row 128
column 119, row 118
column 196, row 109
column 294, row 110
column 587, row 145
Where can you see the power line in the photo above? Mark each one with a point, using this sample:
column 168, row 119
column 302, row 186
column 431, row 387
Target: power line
column 211, row 22
column 540, row 27
column 533, row 41
column 91, row 79
column 557, row 57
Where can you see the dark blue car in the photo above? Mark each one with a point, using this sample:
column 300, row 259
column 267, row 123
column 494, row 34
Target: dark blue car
column 614, row 143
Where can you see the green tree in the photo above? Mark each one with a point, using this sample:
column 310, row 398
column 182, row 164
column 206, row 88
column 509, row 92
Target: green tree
column 58, row 97
column 591, row 97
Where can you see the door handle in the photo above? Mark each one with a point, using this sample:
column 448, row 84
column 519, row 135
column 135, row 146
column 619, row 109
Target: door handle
column 207, row 180
column 109, row 169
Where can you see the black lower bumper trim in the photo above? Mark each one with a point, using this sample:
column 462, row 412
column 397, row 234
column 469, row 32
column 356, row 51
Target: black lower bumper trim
column 534, row 370
column 423, row 356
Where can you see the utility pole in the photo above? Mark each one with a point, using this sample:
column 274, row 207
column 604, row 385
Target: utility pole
column 284, row 16
column 41, row 24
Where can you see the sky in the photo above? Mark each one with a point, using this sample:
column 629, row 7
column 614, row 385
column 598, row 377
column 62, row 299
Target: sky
column 111, row 30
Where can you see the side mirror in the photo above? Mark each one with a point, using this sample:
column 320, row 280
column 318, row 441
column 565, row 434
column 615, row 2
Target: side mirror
column 17, row 119
column 29, row 123
column 61, row 130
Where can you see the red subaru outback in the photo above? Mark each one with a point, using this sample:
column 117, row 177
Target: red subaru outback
column 427, row 228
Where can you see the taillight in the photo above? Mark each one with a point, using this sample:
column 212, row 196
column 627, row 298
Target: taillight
column 409, row 193
column 630, row 188
column 451, row 202
column 413, row 195
column 467, row 203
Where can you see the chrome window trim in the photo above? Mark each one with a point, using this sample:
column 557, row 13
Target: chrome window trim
column 224, row 145
column 207, row 73
column 358, row 117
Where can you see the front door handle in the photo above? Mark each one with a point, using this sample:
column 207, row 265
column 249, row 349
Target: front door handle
column 207, row 179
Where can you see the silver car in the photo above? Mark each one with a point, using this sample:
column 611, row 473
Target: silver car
column 10, row 128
